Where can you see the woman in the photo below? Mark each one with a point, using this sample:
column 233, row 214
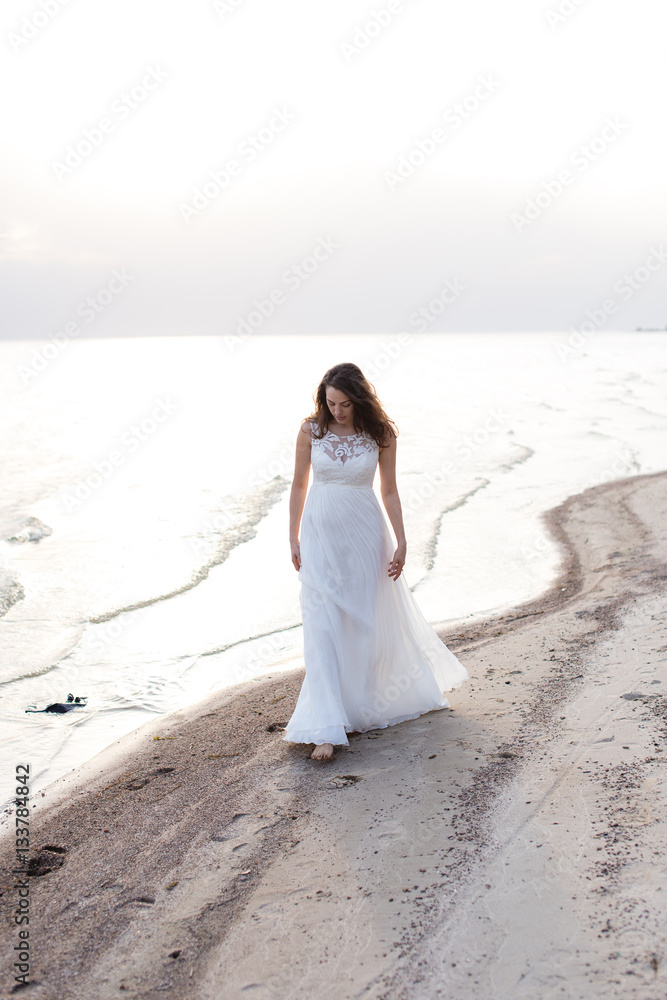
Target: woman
column 372, row 659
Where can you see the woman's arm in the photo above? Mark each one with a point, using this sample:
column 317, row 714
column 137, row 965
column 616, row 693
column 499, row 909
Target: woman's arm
column 299, row 490
column 392, row 503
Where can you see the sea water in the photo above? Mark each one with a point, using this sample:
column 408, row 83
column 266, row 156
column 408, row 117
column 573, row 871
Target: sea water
column 144, row 490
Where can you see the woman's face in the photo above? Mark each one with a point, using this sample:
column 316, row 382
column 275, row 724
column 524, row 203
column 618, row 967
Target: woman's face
column 340, row 405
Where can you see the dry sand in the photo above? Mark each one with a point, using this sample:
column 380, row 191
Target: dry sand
column 512, row 847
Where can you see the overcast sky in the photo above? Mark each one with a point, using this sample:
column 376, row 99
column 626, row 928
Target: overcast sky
column 308, row 167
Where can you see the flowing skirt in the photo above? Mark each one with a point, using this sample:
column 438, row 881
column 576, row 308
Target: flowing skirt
column 372, row 660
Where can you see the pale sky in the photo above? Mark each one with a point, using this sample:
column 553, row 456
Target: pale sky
column 115, row 113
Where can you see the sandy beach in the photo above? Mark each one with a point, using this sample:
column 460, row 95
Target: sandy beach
column 511, row 846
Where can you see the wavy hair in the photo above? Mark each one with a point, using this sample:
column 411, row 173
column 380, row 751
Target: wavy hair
column 368, row 414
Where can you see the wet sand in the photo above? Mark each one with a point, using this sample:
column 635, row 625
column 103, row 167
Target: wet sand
column 512, row 846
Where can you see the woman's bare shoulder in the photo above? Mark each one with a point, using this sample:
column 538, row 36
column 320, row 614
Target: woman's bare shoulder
column 307, row 427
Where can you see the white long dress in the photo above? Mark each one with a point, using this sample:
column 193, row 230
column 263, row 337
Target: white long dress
column 372, row 660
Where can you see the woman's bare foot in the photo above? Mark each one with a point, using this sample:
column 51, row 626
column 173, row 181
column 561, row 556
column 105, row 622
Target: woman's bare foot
column 323, row 751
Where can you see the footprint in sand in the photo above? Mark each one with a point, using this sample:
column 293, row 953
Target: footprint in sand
column 341, row 780
column 48, row 859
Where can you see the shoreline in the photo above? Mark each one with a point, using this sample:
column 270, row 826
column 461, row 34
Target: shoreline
column 88, row 734
column 216, row 829
column 122, row 743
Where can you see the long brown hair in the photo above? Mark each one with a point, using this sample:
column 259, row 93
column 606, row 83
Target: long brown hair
column 368, row 414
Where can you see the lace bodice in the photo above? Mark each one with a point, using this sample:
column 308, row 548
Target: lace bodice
column 343, row 461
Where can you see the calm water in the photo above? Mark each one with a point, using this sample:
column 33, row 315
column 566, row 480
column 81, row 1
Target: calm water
column 153, row 475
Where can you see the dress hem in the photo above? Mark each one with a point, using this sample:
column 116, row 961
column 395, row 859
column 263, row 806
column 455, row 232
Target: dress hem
column 303, row 736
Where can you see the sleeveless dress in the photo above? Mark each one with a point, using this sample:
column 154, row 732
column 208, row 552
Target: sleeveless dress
column 372, row 660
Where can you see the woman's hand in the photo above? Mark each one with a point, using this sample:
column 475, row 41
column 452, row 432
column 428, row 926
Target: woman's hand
column 398, row 562
column 296, row 554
